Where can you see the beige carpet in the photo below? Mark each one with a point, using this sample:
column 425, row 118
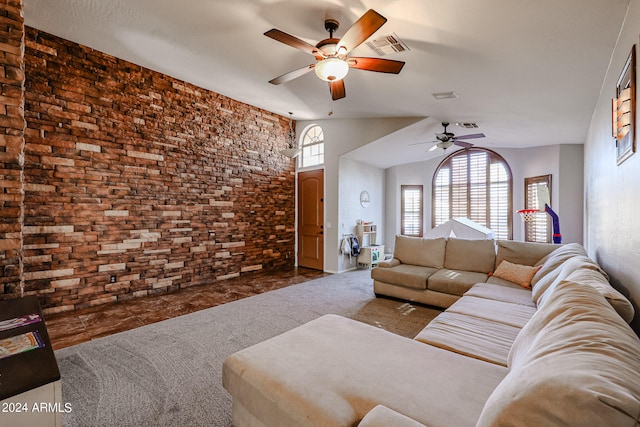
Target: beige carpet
column 169, row 373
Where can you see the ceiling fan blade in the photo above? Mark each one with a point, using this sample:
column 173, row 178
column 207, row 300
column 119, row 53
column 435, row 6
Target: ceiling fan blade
column 292, row 75
column 420, row 143
column 361, row 30
column 472, row 136
column 293, row 41
column 462, row 144
column 376, row 64
column 337, row 89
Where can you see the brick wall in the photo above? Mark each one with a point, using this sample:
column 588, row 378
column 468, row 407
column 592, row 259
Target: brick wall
column 137, row 183
column 11, row 143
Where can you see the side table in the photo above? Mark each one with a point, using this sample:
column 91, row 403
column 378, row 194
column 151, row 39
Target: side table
column 30, row 389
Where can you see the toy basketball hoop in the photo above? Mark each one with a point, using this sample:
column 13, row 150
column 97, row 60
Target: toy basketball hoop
column 528, row 215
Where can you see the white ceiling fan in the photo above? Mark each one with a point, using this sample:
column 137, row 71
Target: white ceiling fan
column 447, row 139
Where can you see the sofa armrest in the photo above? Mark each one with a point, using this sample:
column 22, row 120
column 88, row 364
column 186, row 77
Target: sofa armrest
column 381, row 416
column 390, row 263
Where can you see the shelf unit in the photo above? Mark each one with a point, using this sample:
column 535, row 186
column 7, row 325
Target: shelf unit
column 370, row 253
column 366, row 234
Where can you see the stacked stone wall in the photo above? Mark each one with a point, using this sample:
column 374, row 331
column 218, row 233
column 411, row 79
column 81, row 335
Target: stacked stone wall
column 137, row 183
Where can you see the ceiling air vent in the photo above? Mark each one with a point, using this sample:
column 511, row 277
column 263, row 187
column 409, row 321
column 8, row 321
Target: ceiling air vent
column 387, row 45
column 467, row 125
column 445, row 95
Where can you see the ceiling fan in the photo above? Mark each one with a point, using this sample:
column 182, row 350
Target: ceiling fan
column 332, row 54
column 447, row 139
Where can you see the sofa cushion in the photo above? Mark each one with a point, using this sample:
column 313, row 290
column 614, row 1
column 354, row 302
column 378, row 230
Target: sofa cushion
column 471, row 336
column 454, row 282
column 411, row 276
column 525, row 253
column 516, row 273
column 560, row 273
column 599, row 282
column 499, row 311
column 576, row 363
column 332, row 371
column 498, row 292
column 381, row 416
column 498, row 281
column 556, row 258
column 470, row 255
column 569, row 249
column 418, row 251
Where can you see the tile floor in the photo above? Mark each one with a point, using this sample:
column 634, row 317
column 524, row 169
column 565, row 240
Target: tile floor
column 66, row 329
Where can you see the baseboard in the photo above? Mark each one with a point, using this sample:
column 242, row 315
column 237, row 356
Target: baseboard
column 341, row 271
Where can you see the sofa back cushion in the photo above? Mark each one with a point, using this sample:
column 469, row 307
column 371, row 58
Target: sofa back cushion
column 559, row 273
column 576, row 363
column 470, row 255
column 598, row 281
column 554, row 259
column 418, row 251
column 523, row 253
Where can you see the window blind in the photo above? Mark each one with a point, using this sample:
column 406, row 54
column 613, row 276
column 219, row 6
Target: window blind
column 411, row 210
column 476, row 184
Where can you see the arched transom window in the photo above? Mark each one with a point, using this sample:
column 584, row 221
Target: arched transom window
column 312, row 147
column 474, row 183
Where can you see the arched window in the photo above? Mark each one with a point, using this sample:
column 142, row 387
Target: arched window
column 474, row 183
column 312, row 144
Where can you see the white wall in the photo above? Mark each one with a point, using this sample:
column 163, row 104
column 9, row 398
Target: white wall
column 356, row 177
column 562, row 162
column 612, row 192
column 342, row 136
column 571, row 192
column 419, row 173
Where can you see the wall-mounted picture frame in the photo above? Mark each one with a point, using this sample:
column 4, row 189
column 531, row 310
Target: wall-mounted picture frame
column 624, row 110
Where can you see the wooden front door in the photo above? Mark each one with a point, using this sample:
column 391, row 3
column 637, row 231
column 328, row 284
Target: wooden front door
column 311, row 219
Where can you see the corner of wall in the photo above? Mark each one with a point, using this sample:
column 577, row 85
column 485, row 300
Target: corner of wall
column 12, row 142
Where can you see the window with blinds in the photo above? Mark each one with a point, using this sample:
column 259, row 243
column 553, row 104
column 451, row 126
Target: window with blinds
column 538, row 230
column 411, row 210
column 476, row 184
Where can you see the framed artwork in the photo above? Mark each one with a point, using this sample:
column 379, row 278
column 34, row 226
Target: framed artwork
column 624, row 110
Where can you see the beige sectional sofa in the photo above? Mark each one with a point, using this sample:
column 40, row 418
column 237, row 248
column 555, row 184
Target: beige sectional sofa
column 439, row 271
column 560, row 353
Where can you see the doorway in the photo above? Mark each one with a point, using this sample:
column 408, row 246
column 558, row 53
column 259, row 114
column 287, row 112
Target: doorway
column 311, row 219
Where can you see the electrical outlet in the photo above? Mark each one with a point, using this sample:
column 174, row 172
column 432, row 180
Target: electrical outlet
column 112, row 279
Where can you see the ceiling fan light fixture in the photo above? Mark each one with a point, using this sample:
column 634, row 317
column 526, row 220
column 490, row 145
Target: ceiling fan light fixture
column 291, row 153
column 445, row 144
column 331, row 69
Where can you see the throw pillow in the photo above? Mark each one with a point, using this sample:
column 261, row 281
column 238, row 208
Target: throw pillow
column 516, row 273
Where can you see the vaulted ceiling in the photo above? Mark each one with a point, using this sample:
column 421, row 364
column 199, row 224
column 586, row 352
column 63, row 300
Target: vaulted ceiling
column 527, row 72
